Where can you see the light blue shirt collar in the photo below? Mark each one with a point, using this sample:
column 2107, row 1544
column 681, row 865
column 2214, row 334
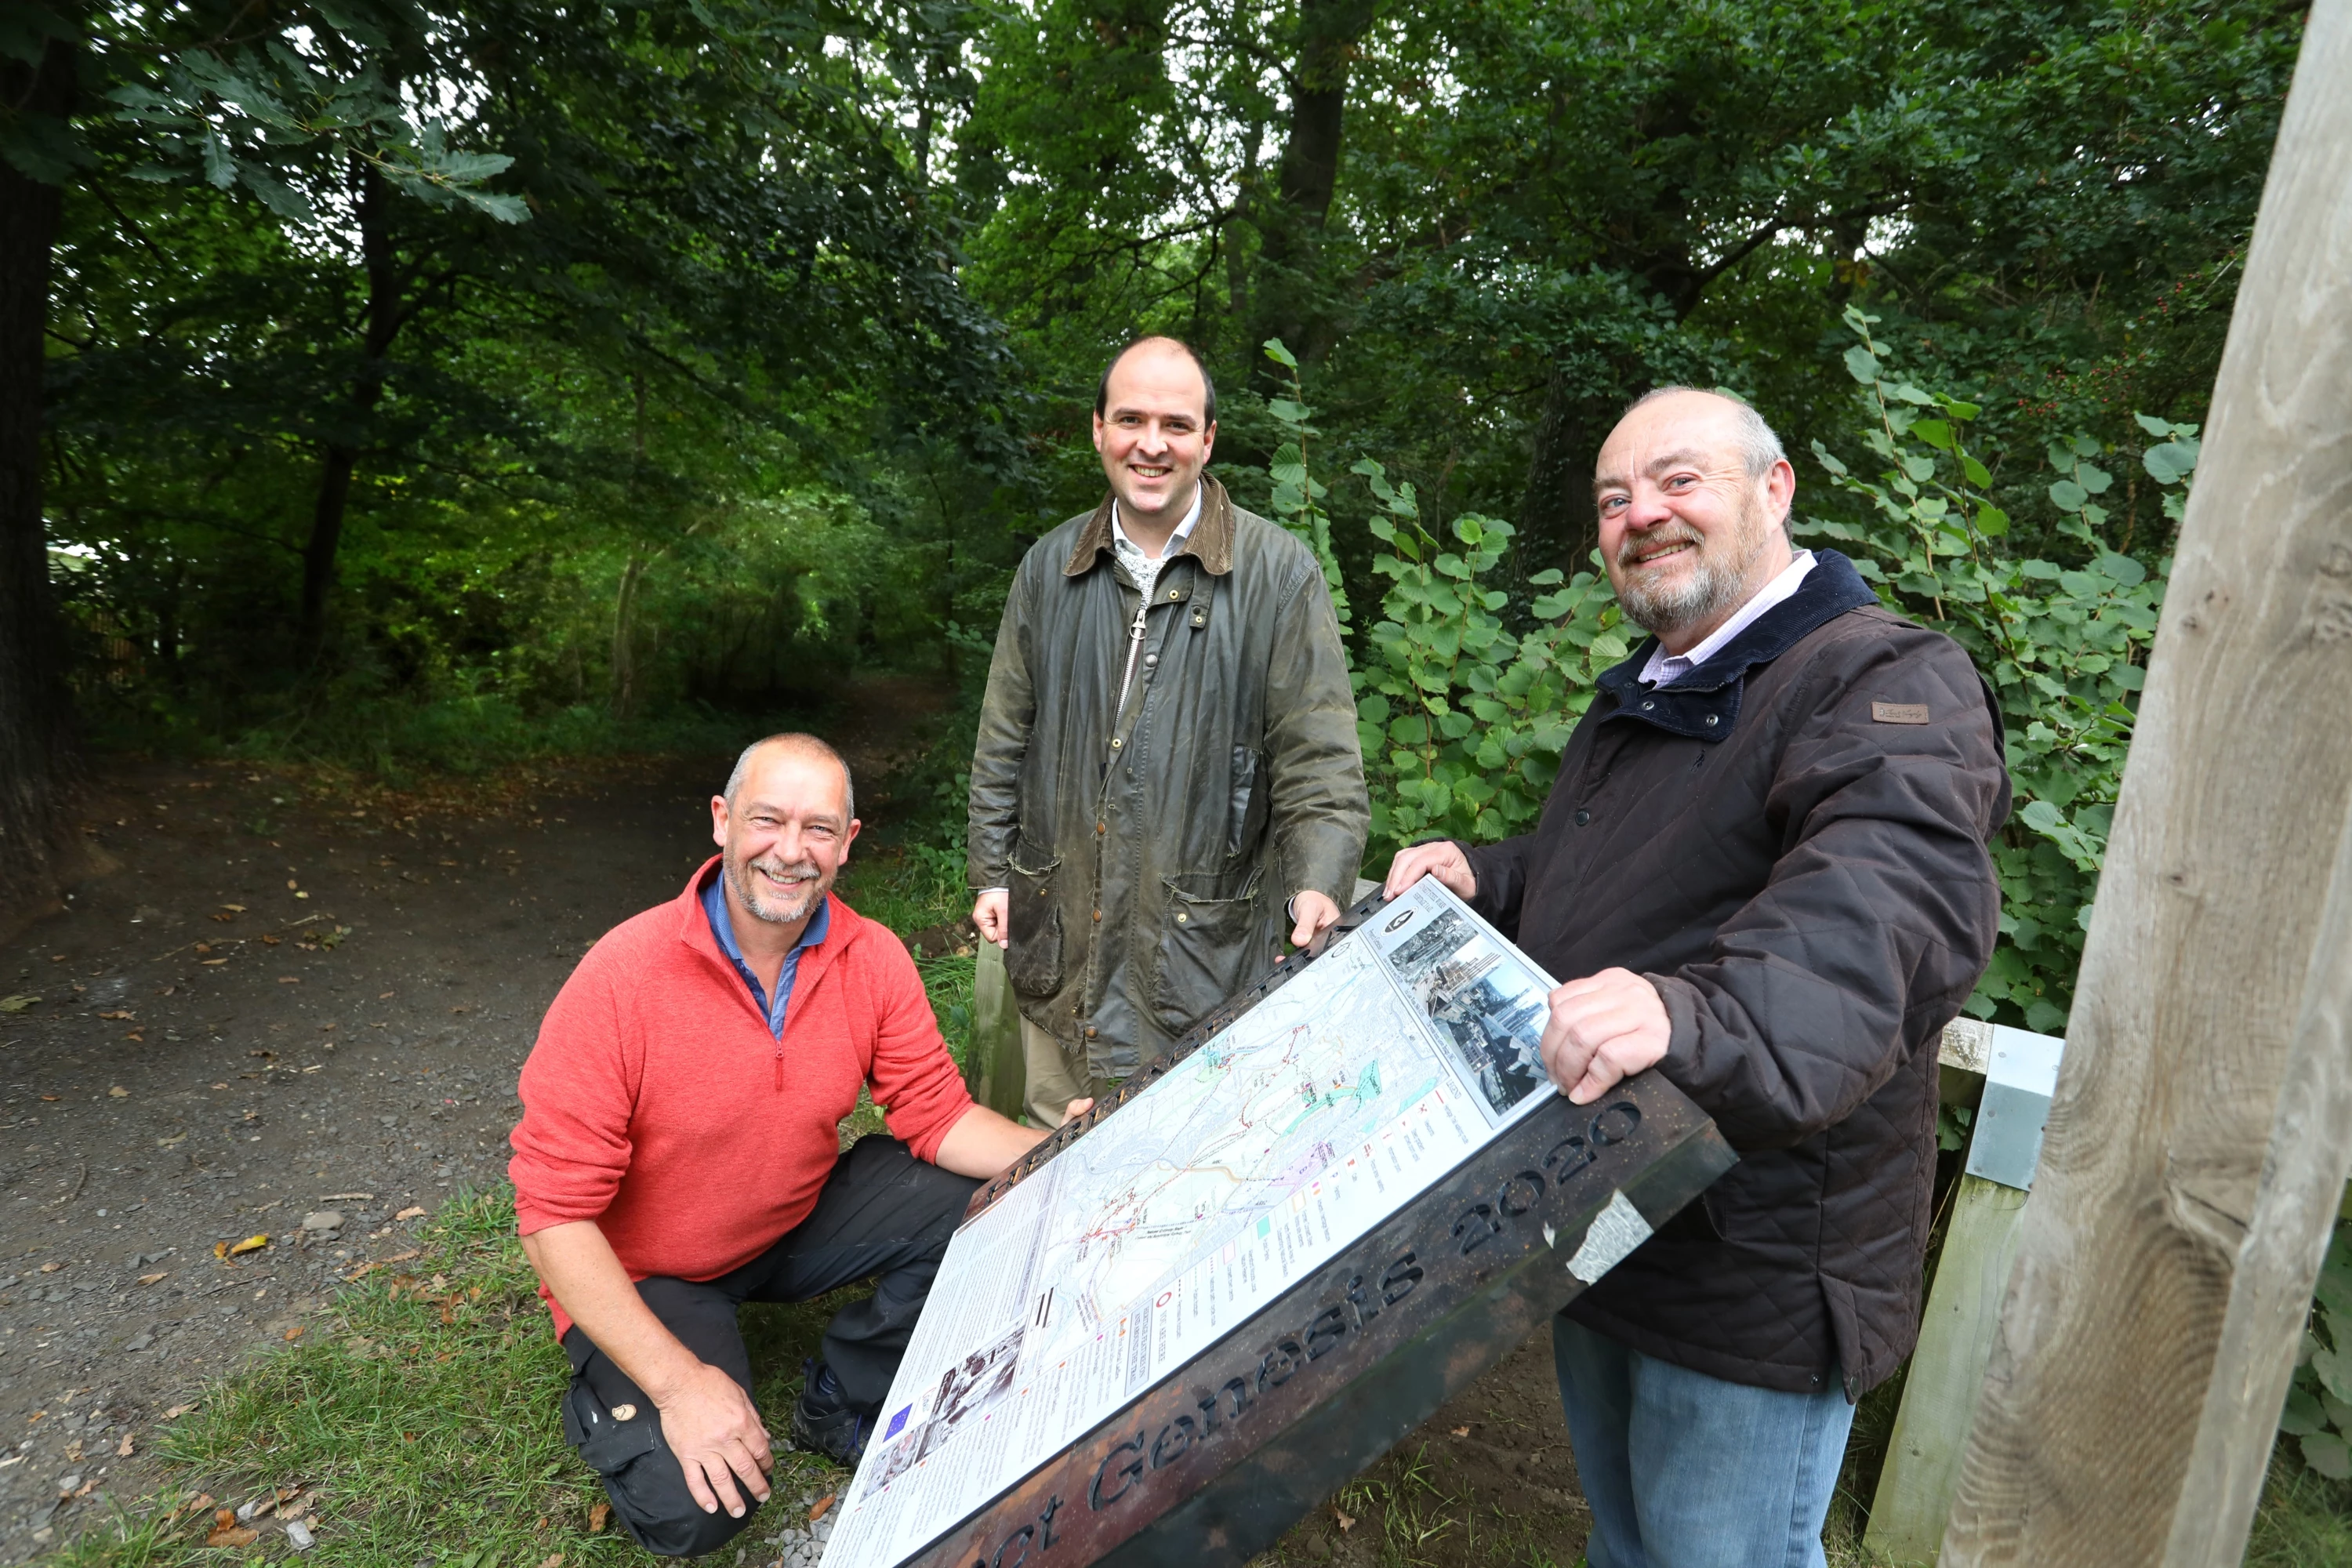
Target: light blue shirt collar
column 722, row 928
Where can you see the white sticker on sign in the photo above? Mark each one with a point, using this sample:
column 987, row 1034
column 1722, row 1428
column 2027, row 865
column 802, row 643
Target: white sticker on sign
column 1615, row 1232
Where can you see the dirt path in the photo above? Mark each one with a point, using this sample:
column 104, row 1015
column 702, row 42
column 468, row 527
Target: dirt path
column 283, row 1010
column 201, row 1067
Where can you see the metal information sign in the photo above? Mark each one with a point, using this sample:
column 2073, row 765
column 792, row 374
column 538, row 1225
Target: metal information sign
column 1180, row 1322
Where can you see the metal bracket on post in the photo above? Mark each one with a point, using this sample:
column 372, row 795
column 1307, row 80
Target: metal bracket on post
column 2021, row 1074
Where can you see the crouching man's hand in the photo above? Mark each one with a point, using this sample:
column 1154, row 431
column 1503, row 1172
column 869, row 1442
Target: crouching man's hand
column 718, row 1438
column 1604, row 1027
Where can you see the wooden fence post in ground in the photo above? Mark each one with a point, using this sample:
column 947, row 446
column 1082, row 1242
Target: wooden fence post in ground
column 2203, row 1122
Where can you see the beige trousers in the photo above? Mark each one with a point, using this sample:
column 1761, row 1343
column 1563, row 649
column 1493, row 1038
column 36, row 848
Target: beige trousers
column 1053, row 1079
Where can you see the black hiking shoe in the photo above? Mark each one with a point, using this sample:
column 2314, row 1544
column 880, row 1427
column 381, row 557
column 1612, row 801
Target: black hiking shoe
column 824, row 1422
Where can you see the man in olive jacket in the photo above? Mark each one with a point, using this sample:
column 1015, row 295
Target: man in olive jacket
column 1167, row 777
column 1762, row 869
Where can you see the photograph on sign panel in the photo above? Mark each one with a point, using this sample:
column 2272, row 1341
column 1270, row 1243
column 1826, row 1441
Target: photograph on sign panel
column 1487, row 1008
column 967, row 1388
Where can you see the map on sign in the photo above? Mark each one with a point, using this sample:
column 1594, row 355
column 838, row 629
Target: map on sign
column 1317, row 1114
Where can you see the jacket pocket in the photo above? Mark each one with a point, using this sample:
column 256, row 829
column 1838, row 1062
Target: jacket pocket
column 1245, row 801
column 1033, row 962
column 1208, row 938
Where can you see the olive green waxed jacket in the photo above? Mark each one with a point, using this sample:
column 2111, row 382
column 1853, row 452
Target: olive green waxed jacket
column 1149, row 852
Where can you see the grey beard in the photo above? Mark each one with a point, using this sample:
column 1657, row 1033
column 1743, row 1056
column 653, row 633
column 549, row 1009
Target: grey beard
column 1715, row 587
column 740, row 877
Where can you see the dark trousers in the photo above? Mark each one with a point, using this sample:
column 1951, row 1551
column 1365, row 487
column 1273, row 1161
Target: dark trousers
column 883, row 1213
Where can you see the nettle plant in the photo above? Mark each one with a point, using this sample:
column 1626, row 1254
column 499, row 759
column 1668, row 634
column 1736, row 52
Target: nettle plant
column 2063, row 645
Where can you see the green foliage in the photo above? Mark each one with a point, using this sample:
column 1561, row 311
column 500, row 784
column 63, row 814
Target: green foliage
column 1461, row 720
column 2318, row 1414
column 2063, row 644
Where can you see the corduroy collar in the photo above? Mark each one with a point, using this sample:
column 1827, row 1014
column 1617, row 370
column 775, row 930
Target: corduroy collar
column 1211, row 542
column 1703, row 704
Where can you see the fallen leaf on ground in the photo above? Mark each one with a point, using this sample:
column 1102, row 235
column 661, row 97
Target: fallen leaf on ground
column 212, row 960
column 155, row 1278
column 17, row 1003
column 552, row 1560
column 270, row 938
column 177, row 1411
column 118, row 1013
column 118, row 1092
column 599, row 1515
column 339, row 1197
column 51, row 1268
column 822, row 1504
column 233, row 909
column 1462, row 1431
column 289, row 980
column 295, row 1332
column 254, row 1243
column 232, row 1535
column 123, row 1450
column 412, row 1212
column 1346, row 1523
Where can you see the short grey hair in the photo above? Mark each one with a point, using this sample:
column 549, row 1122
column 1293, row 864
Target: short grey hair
column 1759, row 445
column 793, row 739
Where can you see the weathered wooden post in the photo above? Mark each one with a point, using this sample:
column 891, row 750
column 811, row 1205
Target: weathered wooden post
column 2202, row 1121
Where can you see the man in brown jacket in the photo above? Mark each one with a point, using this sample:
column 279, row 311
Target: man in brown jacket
column 1763, row 868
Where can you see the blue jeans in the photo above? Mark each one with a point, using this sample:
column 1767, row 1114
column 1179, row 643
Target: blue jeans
column 1683, row 1470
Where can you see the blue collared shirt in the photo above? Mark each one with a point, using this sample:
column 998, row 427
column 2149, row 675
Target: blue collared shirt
column 723, row 926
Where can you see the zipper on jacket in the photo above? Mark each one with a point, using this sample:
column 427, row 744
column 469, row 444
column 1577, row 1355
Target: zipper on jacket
column 1134, row 647
column 779, row 1066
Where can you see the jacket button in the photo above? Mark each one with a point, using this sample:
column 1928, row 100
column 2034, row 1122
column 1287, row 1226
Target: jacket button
column 1181, row 917
column 1582, row 816
column 1090, row 1031
column 1102, row 828
column 1098, row 914
column 1115, row 743
column 1150, row 659
column 1645, row 708
column 1175, row 594
column 1710, row 721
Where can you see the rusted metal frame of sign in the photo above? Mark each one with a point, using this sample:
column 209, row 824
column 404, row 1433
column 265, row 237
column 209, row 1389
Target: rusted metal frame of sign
column 1214, row 1463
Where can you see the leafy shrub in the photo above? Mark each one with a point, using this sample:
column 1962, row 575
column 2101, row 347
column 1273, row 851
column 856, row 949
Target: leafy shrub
column 2063, row 645
column 2318, row 1413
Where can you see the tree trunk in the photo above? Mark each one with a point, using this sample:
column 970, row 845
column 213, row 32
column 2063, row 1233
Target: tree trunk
column 339, row 461
column 1291, row 227
column 1557, row 524
column 625, row 635
column 39, row 766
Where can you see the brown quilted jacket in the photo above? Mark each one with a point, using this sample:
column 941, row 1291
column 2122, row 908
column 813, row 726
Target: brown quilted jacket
column 1790, row 842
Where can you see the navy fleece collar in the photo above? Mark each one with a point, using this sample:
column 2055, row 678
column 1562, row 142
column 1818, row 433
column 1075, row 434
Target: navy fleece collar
column 1703, row 704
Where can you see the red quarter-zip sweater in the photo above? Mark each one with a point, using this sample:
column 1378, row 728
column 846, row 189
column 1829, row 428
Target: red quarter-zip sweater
column 657, row 1103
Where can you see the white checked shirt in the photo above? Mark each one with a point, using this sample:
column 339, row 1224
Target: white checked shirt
column 1145, row 569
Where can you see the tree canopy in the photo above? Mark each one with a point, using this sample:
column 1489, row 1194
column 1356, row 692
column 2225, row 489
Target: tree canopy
column 591, row 357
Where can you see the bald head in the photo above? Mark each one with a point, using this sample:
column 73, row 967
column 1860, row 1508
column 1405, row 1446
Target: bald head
column 799, row 747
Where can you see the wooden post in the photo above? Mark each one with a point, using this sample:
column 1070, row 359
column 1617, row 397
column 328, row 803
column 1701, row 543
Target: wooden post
column 2202, row 1121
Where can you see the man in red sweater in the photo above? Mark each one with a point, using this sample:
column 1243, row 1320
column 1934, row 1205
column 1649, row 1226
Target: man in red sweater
column 679, row 1155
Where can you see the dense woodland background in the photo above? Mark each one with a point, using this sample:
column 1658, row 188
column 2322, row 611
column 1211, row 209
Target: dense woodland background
column 410, row 386
column 418, row 385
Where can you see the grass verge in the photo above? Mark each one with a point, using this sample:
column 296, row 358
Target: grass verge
column 416, row 1422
